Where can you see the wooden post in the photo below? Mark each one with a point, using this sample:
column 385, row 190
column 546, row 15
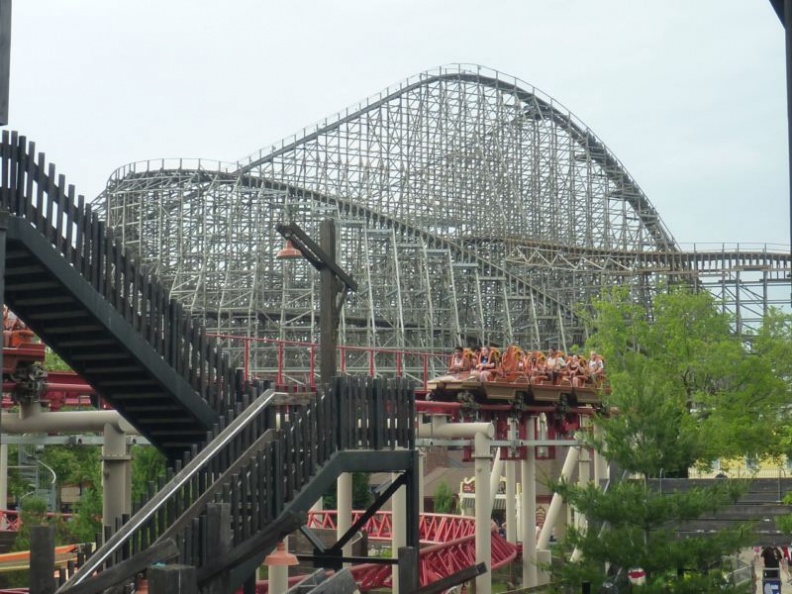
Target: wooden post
column 328, row 317
column 42, row 560
column 408, row 570
column 5, row 58
column 172, row 579
column 218, row 541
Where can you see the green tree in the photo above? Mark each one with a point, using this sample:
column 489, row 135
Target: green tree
column 444, row 500
column 361, row 492
column 148, row 466
column 685, row 391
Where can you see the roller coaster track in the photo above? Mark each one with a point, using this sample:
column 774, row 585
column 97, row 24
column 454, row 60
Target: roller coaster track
column 450, row 539
column 537, row 108
column 384, row 221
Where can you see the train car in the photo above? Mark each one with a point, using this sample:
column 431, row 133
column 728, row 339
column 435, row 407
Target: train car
column 510, row 383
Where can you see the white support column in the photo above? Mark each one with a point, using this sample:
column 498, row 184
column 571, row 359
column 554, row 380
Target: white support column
column 482, row 433
column 600, row 461
column 344, row 509
column 3, row 481
column 584, row 478
column 511, row 501
column 482, row 457
column 495, row 477
column 528, row 508
column 116, row 476
column 511, row 490
column 421, row 472
column 398, row 528
column 278, row 574
column 556, row 502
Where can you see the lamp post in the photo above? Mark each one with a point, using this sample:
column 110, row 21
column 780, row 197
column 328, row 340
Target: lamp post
column 334, row 285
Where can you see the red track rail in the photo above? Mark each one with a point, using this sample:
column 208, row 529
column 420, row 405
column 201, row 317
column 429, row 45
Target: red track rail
column 452, row 541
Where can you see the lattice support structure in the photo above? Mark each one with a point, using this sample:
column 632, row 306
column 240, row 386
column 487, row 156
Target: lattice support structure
column 469, row 207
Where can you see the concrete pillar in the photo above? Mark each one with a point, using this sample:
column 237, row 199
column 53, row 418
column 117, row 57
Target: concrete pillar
column 398, row 527
column 495, row 477
column 421, row 472
column 482, row 456
column 556, row 503
column 116, row 476
column 511, row 501
column 344, row 509
column 528, row 507
column 278, row 575
column 600, row 461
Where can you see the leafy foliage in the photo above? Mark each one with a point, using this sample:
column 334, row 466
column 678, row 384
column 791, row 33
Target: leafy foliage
column 444, row 500
column 361, row 493
column 685, row 392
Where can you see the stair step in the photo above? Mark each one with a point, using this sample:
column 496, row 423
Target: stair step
column 32, row 285
column 124, row 396
column 103, row 356
column 63, row 314
column 73, row 329
column 17, row 254
column 86, row 342
column 142, row 408
column 146, row 421
column 23, row 270
column 176, row 432
column 51, row 300
column 137, row 369
column 140, row 381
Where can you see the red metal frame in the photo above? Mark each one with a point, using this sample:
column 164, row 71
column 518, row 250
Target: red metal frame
column 452, row 541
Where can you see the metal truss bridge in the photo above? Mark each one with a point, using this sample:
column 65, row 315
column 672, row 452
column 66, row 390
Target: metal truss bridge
column 469, row 207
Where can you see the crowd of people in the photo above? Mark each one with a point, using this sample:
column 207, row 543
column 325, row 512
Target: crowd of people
column 487, row 363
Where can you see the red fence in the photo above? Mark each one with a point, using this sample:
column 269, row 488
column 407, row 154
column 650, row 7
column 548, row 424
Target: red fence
column 371, row 361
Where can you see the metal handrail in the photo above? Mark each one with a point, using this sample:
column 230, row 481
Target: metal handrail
column 163, row 496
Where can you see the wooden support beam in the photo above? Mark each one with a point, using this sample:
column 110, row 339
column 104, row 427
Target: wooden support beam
column 42, row 560
column 172, row 579
column 162, row 551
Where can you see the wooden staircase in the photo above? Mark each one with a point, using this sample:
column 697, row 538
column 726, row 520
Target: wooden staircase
column 760, row 505
column 242, row 459
column 73, row 284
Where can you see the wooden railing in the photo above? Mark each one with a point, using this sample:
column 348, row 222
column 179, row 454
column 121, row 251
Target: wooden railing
column 32, row 189
column 257, row 462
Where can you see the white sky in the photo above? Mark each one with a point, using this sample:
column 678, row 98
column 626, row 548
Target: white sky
column 690, row 95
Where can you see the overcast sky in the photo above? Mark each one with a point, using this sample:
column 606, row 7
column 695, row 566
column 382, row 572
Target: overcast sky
column 688, row 94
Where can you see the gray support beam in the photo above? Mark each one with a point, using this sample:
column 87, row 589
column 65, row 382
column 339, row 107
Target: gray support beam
column 116, row 476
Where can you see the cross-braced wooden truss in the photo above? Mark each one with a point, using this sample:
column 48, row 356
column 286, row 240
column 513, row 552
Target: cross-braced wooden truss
column 469, row 207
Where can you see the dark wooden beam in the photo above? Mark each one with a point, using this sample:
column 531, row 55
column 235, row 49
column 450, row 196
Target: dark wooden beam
column 116, row 574
column 778, row 6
